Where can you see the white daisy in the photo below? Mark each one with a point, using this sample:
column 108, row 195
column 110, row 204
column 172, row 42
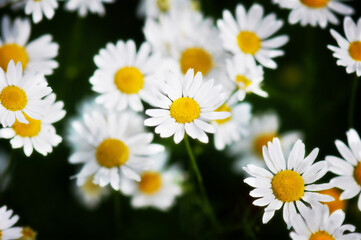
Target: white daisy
column 348, row 51
column 109, row 148
column 124, row 75
column 83, row 6
column 159, row 185
column 21, row 95
column 315, row 12
column 185, row 105
column 288, row 182
column 38, row 8
column 7, row 232
column 37, row 134
column 36, row 55
column 155, row 8
column 348, row 168
column 318, row 224
column 249, row 35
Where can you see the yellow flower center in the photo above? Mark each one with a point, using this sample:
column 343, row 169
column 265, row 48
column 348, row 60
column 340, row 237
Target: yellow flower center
column 163, row 5
column 357, row 173
column 15, row 52
column 288, row 186
column 242, row 79
column 315, row 3
column 321, row 235
column 90, row 188
column 13, row 98
column 223, row 108
column 249, row 42
column 185, row 110
column 129, row 80
column 31, row 129
column 0, row 233
column 196, row 58
column 355, row 50
column 337, row 203
column 28, row 234
column 112, row 153
column 261, row 140
column 150, row 182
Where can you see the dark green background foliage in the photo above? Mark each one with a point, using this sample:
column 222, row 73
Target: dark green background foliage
column 308, row 90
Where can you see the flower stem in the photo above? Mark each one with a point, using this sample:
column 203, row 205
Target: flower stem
column 351, row 110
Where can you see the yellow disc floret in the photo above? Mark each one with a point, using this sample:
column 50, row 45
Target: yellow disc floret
column 357, row 173
column 163, row 5
column 196, row 58
column 315, row 3
column 337, row 203
column 223, row 108
column 249, row 42
column 355, row 50
column 13, row 98
column 150, row 182
column 129, row 80
column 28, row 234
column 185, row 110
column 321, row 235
column 288, row 186
column 261, row 140
column 244, row 80
column 12, row 51
column 112, row 153
column 31, row 129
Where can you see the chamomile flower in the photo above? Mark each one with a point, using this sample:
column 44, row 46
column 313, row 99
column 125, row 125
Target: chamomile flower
column 36, row 55
column 85, row 6
column 185, row 104
column 288, row 183
column 155, row 8
column 108, row 148
column 318, row 224
column 38, row 8
column 315, row 12
column 249, row 35
column 337, row 203
column 28, row 234
column 124, row 75
column 158, row 187
column 37, row 134
column 348, row 51
column 348, row 168
column 7, row 232
column 21, row 95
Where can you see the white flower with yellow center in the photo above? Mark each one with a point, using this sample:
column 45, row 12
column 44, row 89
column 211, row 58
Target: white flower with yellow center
column 185, row 105
column 249, row 34
column 85, row 6
column 36, row 55
column 348, row 51
column 109, row 149
column 124, row 75
column 158, row 187
column 288, row 183
column 155, row 8
column 317, row 224
column 37, row 134
column 348, row 168
column 21, row 95
column 38, row 8
column 7, row 232
column 315, row 12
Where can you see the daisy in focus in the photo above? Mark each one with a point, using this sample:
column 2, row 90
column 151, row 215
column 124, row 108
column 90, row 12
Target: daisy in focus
column 287, row 183
column 348, row 51
column 249, row 35
column 337, row 203
column 36, row 55
column 21, row 95
column 28, row 234
column 85, row 6
column 318, row 224
column 38, row 8
column 124, row 75
column 7, row 232
column 37, row 134
column 185, row 104
column 155, row 8
column 348, row 167
column 315, row 12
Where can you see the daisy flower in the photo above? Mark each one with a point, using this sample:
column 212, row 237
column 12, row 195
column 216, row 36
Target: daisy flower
column 185, row 104
column 28, row 234
column 348, row 51
column 337, row 203
column 124, row 75
column 7, row 232
column 85, row 6
column 108, row 148
column 37, row 134
column 38, row 8
column 287, row 182
column 315, row 12
column 21, row 95
column 249, row 35
column 158, row 187
column 36, row 55
column 318, row 224
column 155, row 8
column 348, row 168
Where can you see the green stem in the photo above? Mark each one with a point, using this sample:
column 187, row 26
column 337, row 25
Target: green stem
column 117, row 214
column 351, row 110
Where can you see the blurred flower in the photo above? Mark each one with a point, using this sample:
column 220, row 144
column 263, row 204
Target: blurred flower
column 314, row 12
column 5, row 175
column 37, row 8
column 317, row 224
column 83, row 6
column 21, row 95
column 288, row 182
column 185, row 105
column 38, row 134
column 155, row 8
column 248, row 35
column 349, row 51
column 7, row 232
column 28, row 234
column 36, row 55
column 337, row 203
column 348, row 168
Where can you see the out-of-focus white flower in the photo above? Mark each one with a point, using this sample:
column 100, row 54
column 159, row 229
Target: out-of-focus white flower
column 7, row 232
column 85, row 6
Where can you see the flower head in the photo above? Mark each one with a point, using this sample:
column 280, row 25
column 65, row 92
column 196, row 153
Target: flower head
column 7, row 232
column 85, row 6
